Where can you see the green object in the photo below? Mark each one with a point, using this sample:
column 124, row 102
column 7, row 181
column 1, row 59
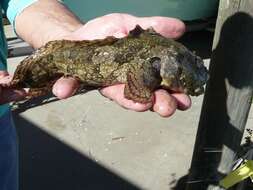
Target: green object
column 242, row 173
column 183, row 9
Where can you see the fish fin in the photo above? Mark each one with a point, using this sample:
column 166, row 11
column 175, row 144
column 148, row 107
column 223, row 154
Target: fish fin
column 136, row 90
column 151, row 30
column 36, row 92
column 136, row 31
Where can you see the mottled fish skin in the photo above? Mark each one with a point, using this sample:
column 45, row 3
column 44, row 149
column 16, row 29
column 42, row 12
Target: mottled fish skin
column 144, row 61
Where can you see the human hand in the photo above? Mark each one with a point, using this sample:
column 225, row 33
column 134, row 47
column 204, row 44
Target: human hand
column 119, row 25
column 7, row 94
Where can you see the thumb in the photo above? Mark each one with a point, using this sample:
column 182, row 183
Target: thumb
column 3, row 73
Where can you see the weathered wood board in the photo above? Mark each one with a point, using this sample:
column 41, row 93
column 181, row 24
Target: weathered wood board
column 228, row 97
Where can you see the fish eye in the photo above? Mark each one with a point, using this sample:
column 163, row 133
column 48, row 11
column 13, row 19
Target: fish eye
column 180, row 71
column 156, row 62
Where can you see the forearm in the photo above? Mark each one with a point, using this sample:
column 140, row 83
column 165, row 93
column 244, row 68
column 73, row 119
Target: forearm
column 45, row 20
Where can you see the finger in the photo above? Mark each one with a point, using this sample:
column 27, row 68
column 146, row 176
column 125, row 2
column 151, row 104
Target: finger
column 183, row 101
column 3, row 73
column 116, row 93
column 165, row 104
column 5, row 80
column 119, row 25
column 65, row 87
column 168, row 27
column 112, row 25
column 123, row 23
column 11, row 95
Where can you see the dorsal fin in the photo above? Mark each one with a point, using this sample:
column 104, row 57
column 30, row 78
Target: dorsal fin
column 136, row 31
column 151, row 30
column 139, row 30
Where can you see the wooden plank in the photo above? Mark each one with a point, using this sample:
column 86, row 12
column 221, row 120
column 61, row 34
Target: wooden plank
column 226, row 9
column 228, row 96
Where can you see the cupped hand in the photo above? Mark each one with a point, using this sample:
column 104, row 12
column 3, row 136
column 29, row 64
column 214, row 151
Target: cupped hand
column 8, row 94
column 119, row 25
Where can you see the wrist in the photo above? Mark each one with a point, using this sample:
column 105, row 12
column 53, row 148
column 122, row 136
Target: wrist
column 40, row 35
column 44, row 21
column 57, row 34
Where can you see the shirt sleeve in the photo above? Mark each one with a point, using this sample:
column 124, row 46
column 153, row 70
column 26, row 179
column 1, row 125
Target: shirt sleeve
column 13, row 8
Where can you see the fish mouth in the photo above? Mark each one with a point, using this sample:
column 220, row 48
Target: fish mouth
column 194, row 85
column 181, row 87
column 172, row 85
column 194, row 92
column 193, row 89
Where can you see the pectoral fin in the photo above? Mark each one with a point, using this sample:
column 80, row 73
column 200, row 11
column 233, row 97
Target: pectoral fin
column 136, row 90
column 36, row 92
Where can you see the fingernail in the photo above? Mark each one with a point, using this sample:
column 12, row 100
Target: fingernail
column 55, row 91
column 60, row 93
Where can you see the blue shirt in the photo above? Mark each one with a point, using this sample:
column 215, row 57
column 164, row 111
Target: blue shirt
column 12, row 8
